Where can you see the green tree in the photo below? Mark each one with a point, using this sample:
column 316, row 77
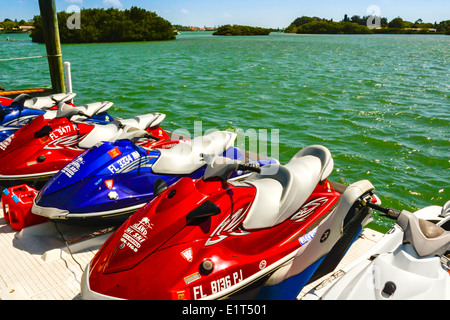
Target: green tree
column 444, row 27
column 396, row 23
column 357, row 19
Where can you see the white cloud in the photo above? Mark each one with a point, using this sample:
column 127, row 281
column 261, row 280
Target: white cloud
column 185, row 11
column 73, row 8
column 112, row 3
column 75, row 1
column 226, row 15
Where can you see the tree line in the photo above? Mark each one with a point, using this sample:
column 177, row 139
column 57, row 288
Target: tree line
column 109, row 25
column 358, row 25
column 135, row 24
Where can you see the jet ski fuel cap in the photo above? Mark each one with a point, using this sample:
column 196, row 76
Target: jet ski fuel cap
column 206, row 267
column 113, row 195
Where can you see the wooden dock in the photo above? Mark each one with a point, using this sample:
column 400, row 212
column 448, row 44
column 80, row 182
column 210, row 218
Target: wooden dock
column 46, row 262
column 35, row 92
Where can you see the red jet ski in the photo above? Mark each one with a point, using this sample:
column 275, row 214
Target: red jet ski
column 210, row 238
column 34, row 153
column 5, row 101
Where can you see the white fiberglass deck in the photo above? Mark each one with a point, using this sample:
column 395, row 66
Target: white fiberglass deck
column 367, row 239
column 36, row 264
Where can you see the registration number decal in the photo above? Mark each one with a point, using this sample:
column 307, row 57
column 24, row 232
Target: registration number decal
column 218, row 285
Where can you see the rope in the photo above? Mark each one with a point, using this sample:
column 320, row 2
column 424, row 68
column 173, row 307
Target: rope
column 34, row 57
column 21, row 58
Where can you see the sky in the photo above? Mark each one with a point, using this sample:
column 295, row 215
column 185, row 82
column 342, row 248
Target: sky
column 260, row 13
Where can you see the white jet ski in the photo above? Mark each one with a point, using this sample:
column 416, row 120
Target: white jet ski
column 411, row 262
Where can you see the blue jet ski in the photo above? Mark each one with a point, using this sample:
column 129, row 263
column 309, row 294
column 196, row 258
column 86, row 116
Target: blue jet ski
column 112, row 180
column 24, row 109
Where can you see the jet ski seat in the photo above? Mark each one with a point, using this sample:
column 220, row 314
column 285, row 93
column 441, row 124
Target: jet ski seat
column 90, row 109
column 131, row 132
column 282, row 190
column 96, row 107
column 44, row 103
column 135, row 127
column 186, row 157
column 145, row 121
column 426, row 238
column 115, row 130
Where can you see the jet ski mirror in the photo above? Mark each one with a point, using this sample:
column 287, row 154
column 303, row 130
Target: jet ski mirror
column 206, row 209
column 42, row 132
column 159, row 187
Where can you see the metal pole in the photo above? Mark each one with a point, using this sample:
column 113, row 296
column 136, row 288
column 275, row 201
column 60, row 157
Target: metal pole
column 68, row 76
column 53, row 45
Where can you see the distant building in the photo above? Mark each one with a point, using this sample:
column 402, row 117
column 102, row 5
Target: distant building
column 26, row 28
column 202, row 29
column 420, row 29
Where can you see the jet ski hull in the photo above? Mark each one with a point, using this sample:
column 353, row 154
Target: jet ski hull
column 242, row 260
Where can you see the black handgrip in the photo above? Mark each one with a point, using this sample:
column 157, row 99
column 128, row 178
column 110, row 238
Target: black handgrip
column 148, row 135
column 254, row 166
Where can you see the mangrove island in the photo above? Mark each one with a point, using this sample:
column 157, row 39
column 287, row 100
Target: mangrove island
column 109, row 25
column 238, row 30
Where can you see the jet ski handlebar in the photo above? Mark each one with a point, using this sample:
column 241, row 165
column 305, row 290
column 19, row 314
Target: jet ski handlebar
column 148, row 135
column 224, row 170
column 389, row 212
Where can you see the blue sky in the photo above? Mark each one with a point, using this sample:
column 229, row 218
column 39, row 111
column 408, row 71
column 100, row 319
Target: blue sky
column 262, row 13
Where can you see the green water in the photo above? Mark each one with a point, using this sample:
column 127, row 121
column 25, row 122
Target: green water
column 380, row 103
